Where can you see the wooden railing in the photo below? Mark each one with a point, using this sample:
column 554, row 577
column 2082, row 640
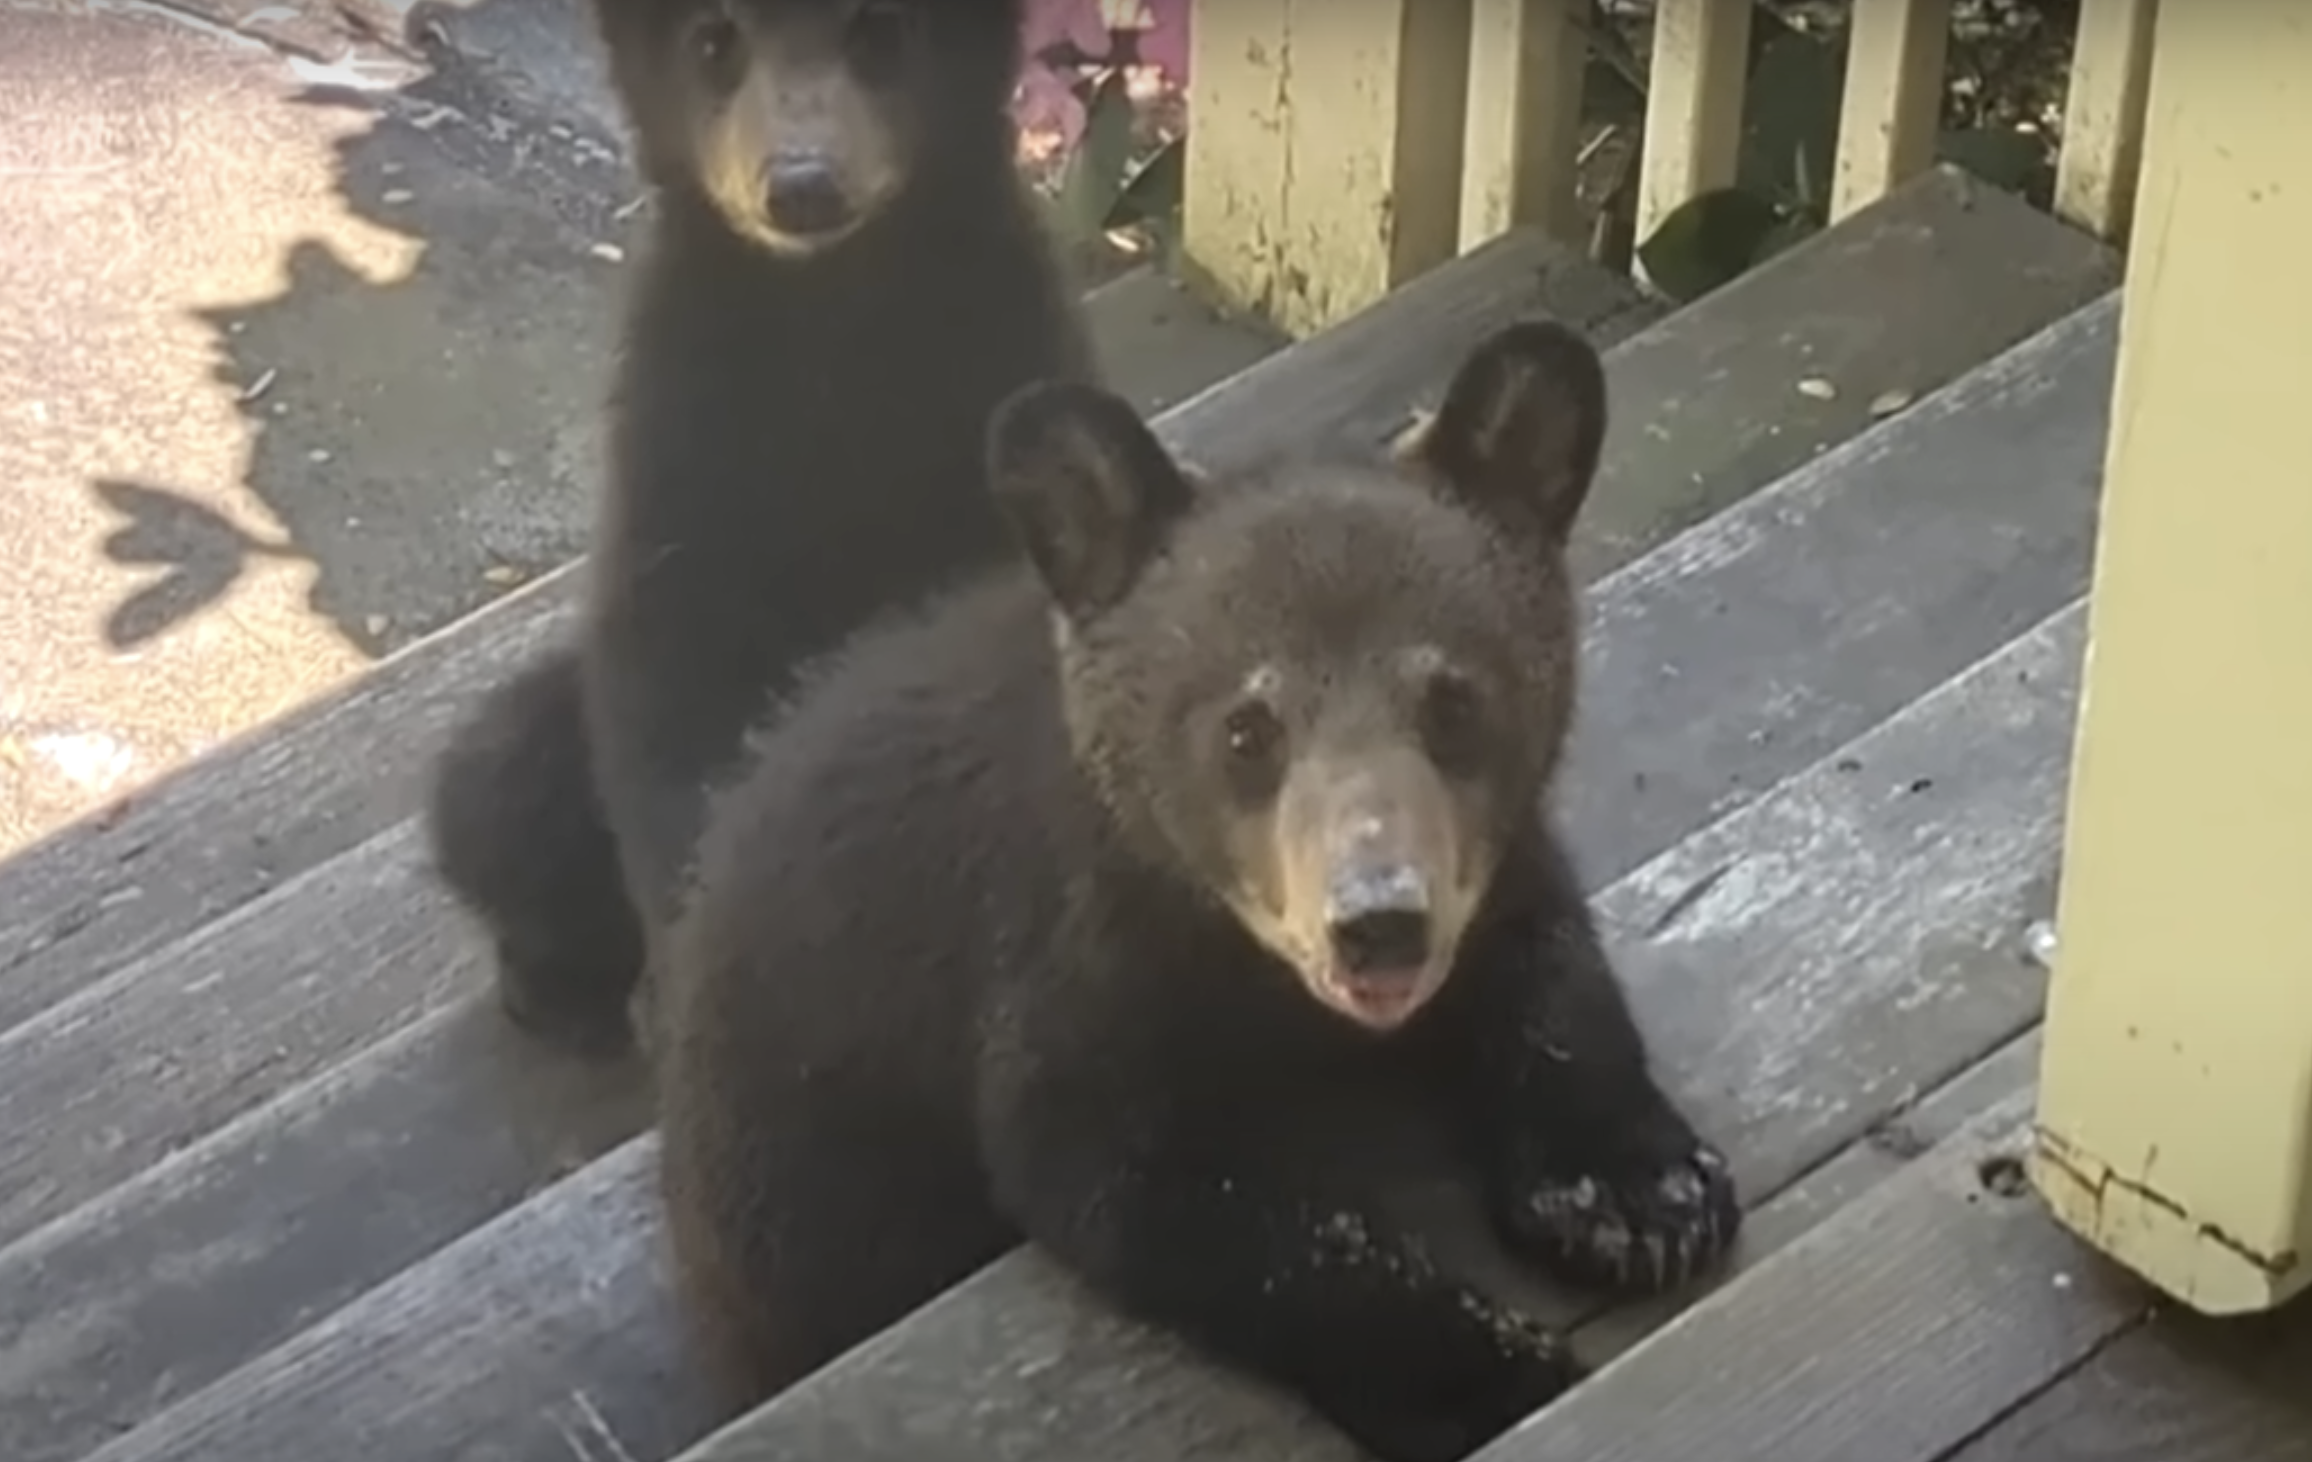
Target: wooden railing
column 1338, row 150
column 2175, row 1097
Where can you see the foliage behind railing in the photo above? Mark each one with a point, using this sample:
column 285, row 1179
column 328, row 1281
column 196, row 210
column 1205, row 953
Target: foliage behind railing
column 1101, row 110
column 1999, row 114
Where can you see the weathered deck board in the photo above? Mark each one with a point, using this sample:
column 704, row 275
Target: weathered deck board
column 1898, row 300
column 221, row 1250
column 102, row 1085
column 1896, row 1332
column 1674, row 734
column 2182, row 1389
column 1802, row 616
column 199, row 842
column 1241, row 1419
column 1807, row 962
column 1362, row 379
column 366, row 1381
column 1889, row 1147
column 1900, row 903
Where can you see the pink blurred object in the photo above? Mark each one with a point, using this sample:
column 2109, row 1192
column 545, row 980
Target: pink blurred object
column 1085, row 23
column 1050, row 114
column 1164, row 38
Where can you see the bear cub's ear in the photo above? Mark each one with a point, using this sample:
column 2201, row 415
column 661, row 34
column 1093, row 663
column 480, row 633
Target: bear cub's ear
column 1517, row 436
column 1088, row 489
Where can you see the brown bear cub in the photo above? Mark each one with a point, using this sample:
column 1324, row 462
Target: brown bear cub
column 1121, row 902
column 846, row 277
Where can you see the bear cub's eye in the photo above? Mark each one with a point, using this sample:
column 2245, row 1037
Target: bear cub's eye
column 881, row 33
column 1453, row 721
column 716, row 41
column 1255, row 741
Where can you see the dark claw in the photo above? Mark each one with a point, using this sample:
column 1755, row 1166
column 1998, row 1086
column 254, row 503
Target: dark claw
column 1646, row 1230
column 575, row 1025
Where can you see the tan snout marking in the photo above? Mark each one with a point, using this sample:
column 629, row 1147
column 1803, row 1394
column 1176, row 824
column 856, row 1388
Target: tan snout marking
column 1365, row 835
column 808, row 107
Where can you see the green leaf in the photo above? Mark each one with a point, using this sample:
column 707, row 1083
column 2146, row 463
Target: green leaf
column 1094, row 175
column 1794, row 227
column 1153, row 190
column 1163, row 233
column 1790, row 120
column 2016, row 161
column 1707, row 241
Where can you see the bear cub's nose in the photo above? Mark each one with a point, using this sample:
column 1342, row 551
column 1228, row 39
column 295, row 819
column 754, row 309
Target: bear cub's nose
column 1380, row 941
column 801, row 195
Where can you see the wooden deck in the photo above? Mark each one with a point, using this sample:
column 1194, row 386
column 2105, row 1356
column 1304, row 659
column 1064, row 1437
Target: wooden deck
column 275, row 1184
column 1944, row 1317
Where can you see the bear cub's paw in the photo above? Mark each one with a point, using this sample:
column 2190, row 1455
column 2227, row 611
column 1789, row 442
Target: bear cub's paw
column 579, row 1012
column 1647, row 1218
column 1536, row 1367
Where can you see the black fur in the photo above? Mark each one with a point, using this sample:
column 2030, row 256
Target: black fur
column 518, row 834
column 795, row 445
column 964, row 963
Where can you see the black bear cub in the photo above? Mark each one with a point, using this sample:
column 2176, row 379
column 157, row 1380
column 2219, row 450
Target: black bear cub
column 846, row 277
column 1130, row 901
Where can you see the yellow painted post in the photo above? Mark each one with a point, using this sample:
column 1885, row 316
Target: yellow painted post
column 2176, row 1098
column 1890, row 114
column 2095, row 176
column 1693, row 104
column 1526, row 60
column 1324, row 151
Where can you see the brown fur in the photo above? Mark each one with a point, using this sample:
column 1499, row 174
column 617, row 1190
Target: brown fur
column 1033, row 917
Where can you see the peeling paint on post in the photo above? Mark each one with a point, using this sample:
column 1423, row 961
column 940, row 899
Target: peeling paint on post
column 2175, row 1126
column 1324, row 158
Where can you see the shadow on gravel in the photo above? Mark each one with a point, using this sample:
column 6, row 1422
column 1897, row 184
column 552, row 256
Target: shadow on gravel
column 423, row 438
